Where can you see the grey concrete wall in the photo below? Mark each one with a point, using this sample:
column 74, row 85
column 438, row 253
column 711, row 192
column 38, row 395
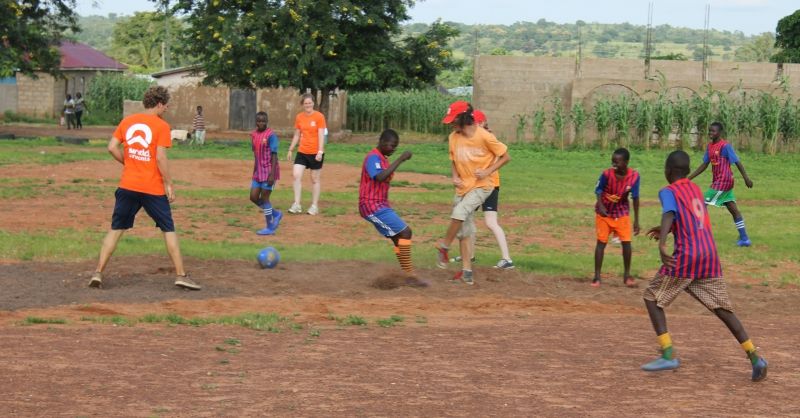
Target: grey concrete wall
column 281, row 104
column 507, row 86
column 37, row 97
column 8, row 98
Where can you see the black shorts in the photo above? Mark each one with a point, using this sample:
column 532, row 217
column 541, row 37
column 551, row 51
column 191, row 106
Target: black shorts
column 490, row 204
column 128, row 204
column 309, row 160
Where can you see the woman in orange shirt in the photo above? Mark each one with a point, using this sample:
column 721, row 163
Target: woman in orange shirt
column 309, row 131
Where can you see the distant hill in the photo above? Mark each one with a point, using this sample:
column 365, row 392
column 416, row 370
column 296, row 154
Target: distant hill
column 542, row 38
column 622, row 40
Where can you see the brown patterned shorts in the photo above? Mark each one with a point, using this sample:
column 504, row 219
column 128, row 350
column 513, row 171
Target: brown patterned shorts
column 711, row 292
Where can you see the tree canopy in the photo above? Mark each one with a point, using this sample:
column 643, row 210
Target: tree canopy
column 787, row 37
column 350, row 44
column 138, row 39
column 30, row 33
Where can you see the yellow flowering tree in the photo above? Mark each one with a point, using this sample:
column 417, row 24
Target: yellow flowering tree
column 30, row 33
column 349, row 44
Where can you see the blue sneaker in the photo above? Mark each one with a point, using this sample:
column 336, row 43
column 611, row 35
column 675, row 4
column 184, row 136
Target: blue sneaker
column 276, row 220
column 744, row 242
column 760, row 370
column 265, row 231
column 660, row 364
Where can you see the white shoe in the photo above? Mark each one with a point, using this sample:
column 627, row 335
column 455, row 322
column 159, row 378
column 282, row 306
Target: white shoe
column 313, row 210
column 296, row 208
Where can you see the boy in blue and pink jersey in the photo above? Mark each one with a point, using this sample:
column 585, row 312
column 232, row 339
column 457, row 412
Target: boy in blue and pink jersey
column 720, row 155
column 612, row 212
column 373, row 200
column 693, row 266
column 266, row 172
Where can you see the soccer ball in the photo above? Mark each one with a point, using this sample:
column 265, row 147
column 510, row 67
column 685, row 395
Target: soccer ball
column 268, row 258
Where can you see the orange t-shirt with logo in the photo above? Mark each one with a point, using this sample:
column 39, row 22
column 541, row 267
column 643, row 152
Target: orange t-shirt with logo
column 141, row 134
column 468, row 154
column 309, row 126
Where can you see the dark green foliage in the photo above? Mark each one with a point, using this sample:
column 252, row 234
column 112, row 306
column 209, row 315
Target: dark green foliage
column 30, row 33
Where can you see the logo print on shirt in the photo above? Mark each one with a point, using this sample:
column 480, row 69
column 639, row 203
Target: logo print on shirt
column 133, row 135
column 139, row 133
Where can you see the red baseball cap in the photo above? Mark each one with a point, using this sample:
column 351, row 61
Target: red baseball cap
column 479, row 116
column 455, row 109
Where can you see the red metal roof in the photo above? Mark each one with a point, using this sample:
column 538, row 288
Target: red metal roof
column 81, row 56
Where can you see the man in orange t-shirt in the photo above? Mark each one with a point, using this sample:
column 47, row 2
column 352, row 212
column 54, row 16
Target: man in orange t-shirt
column 145, row 182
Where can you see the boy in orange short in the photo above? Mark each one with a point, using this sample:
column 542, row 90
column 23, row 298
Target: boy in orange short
column 612, row 211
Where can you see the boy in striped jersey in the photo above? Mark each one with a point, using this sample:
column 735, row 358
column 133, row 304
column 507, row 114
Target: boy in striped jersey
column 693, row 266
column 612, row 212
column 266, row 172
column 720, row 155
column 373, row 200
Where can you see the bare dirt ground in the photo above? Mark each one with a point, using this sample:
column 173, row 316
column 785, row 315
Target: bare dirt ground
column 515, row 344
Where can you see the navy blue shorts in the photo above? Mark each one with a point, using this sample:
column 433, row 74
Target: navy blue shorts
column 128, row 204
column 387, row 222
column 490, row 204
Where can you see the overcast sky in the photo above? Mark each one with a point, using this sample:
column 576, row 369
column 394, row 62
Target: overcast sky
column 748, row 16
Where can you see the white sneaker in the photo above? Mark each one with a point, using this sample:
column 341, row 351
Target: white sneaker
column 313, row 210
column 296, row 208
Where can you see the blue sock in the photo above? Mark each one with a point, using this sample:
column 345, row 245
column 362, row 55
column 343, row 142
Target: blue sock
column 740, row 227
column 267, row 207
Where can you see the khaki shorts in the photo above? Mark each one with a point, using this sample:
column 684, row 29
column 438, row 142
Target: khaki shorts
column 712, row 293
column 464, row 208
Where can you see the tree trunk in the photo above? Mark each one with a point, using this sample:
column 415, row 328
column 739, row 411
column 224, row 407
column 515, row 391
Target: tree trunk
column 325, row 102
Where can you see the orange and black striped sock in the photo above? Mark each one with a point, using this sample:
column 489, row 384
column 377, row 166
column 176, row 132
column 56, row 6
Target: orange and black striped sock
column 403, row 251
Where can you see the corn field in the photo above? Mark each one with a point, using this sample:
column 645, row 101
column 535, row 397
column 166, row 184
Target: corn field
column 416, row 110
column 106, row 92
column 753, row 120
column 771, row 120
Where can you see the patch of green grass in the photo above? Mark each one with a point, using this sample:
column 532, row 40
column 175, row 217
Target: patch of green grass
column 35, row 320
column 789, row 279
column 349, row 320
column 115, row 319
column 390, row 321
column 270, row 322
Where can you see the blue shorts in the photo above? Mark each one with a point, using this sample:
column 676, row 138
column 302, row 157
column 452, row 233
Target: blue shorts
column 255, row 184
column 128, row 204
column 387, row 222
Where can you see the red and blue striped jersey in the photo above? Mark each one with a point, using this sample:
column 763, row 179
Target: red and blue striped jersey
column 614, row 192
column 695, row 252
column 264, row 144
column 373, row 195
column 721, row 155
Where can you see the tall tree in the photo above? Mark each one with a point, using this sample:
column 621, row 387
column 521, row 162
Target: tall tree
column 138, row 40
column 787, row 37
column 760, row 49
column 30, row 33
column 307, row 44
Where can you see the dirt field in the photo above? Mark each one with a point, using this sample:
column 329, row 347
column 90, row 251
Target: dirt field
column 515, row 344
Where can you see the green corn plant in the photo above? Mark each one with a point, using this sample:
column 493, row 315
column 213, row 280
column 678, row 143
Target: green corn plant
column 702, row 107
column 769, row 111
column 664, row 118
column 106, row 93
column 643, row 120
column 747, row 120
column 522, row 123
column 538, row 119
column 727, row 115
column 621, row 110
column 579, row 117
column 685, row 120
column 602, row 120
column 559, row 120
column 789, row 124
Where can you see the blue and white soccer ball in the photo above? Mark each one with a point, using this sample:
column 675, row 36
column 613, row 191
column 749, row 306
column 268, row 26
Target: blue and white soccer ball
column 268, row 257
